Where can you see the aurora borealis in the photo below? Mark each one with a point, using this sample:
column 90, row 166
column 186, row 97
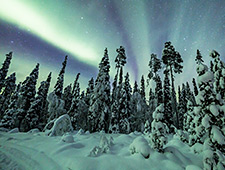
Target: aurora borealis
column 45, row 31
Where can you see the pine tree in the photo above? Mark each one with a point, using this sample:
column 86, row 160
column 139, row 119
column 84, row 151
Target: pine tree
column 159, row 130
column 67, row 97
column 73, row 111
column 125, row 106
column 58, row 89
column 195, row 87
column 99, row 111
column 26, row 96
column 7, row 92
column 9, row 119
column 4, row 69
column 172, row 59
column 36, row 113
column 218, row 70
column 167, row 101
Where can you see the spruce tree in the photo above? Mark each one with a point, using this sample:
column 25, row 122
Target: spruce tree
column 99, row 111
column 125, row 106
column 26, row 96
column 142, row 89
column 58, row 89
column 167, row 101
column 89, row 91
column 73, row 111
column 172, row 59
column 151, row 103
column 218, row 70
column 4, row 69
column 195, row 87
column 67, row 97
column 10, row 116
column 211, row 119
column 159, row 130
column 82, row 111
column 182, row 107
column 7, row 92
column 155, row 66
column 36, row 112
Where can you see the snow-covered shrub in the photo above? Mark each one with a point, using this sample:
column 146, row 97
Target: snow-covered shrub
column 67, row 138
column 60, row 126
column 80, row 132
column 140, row 145
column 104, row 146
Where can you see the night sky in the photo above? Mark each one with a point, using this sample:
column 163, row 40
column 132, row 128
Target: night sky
column 45, row 31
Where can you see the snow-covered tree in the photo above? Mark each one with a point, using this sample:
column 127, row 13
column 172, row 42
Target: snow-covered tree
column 218, row 69
column 35, row 117
column 151, row 103
column 73, row 111
column 147, row 130
column 182, row 107
column 167, row 101
column 58, row 89
column 89, row 91
column 209, row 119
column 26, row 96
column 4, row 69
column 67, row 97
column 56, row 105
column 155, row 66
column 99, row 111
column 82, row 112
column 6, row 93
column 195, row 87
column 159, row 130
column 117, row 87
column 125, row 106
column 10, row 117
column 139, row 110
column 172, row 59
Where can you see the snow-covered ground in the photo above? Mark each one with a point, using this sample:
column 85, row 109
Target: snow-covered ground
column 97, row 151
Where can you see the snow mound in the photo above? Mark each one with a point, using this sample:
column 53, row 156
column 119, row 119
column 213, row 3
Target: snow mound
column 104, row 147
column 192, row 167
column 15, row 130
column 140, row 145
column 2, row 129
column 60, row 126
column 33, row 131
column 67, row 138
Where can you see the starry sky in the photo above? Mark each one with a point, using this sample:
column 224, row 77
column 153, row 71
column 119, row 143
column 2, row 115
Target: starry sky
column 44, row 31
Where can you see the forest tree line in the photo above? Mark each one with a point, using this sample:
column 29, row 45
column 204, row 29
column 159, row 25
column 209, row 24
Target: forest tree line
column 197, row 115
